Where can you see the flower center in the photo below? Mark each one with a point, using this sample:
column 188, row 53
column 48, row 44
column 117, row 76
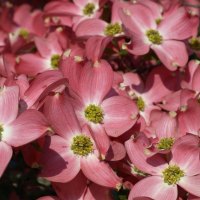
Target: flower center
column 1, row 132
column 172, row 174
column 55, row 59
column 24, row 33
column 112, row 29
column 89, row 9
column 82, row 145
column 140, row 103
column 94, row 113
column 194, row 43
column 154, row 36
column 165, row 143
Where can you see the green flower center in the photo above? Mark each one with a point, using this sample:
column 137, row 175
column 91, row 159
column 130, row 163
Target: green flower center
column 1, row 132
column 172, row 174
column 82, row 145
column 165, row 143
column 154, row 36
column 94, row 113
column 89, row 9
column 113, row 29
column 140, row 103
column 55, row 59
column 195, row 43
column 24, row 33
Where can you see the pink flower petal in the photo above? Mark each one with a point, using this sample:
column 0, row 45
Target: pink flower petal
column 5, row 156
column 61, row 115
column 176, row 25
column 191, row 184
column 142, row 158
column 100, row 172
column 101, row 138
column 95, row 81
column 42, row 85
column 29, row 126
column 91, row 27
column 172, row 54
column 120, row 114
column 9, row 99
column 32, row 64
column 59, row 164
column 69, row 190
column 155, row 188
column 96, row 192
column 48, row 198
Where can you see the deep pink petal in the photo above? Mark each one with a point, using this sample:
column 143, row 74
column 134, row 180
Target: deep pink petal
column 172, row 54
column 196, row 79
column 5, row 156
column 9, row 99
column 155, row 188
column 59, row 164
column 191, row 184
column 73, row 190
column 97, row 192
column 95, row 81
column 48, row 198
column 61, row 115
column 29, row 126
column 100, row 172
column 91, row 27
column 120, row 114
column 42, row 85
column 116, row 151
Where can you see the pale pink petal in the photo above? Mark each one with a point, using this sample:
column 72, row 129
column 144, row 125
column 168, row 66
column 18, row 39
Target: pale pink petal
column 59, row 164
column 143, row 158
column 29, row 126
column 133, row 18
column 73, row 190
column 188, row 147
column 61, row 115
column 172, row 54
column 189, row 119
column 191, row 184
column 5, row 156
column 32, row 64
column 100, row 172
column 9, row 99
column 91, row 27
column 120, row 114
column 95, row 81
column 138, row 45
column 154, row 187
column 101, row 138
column 177, row 25
column 94, row 52
column 164, row 124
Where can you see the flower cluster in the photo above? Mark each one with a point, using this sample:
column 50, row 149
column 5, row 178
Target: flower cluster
column 103, row 96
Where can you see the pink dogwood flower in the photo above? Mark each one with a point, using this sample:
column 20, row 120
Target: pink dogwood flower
column 183, row 169
column 74, row 149
column 163, row 36
column 17, row 130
